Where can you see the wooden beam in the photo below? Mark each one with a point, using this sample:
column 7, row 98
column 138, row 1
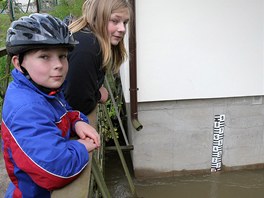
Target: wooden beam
column 3, row 51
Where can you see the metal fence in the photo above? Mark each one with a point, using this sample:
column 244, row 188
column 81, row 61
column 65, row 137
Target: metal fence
column 15, row 6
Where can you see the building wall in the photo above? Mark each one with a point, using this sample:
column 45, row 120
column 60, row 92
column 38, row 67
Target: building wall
column 197, row 59
column 177, row 136
column 195, row 49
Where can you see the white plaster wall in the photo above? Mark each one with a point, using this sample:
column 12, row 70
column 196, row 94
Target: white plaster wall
column 198, row 49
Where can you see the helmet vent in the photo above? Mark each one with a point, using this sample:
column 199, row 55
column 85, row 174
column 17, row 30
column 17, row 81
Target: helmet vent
column 28, row 35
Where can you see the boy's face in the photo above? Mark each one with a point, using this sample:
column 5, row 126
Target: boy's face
column 47, row 67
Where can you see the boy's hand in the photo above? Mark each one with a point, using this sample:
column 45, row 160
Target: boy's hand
column 88, row 143
column 85, row 130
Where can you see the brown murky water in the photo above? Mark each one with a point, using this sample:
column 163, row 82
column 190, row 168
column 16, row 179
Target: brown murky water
column 238, row 184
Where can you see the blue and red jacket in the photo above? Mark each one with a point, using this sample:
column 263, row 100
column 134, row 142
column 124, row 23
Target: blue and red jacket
column 36, row 129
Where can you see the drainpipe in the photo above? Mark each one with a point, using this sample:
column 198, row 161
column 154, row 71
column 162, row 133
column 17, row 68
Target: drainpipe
column 133, row 71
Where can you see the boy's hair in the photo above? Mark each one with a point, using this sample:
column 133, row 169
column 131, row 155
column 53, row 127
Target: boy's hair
column 37, row 31
column 95, row 15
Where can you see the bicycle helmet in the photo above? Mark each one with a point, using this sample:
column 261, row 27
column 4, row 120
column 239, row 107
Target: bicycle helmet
column 37, row 31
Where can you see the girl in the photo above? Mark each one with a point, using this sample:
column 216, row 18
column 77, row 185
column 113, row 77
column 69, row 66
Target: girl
column 100, row 32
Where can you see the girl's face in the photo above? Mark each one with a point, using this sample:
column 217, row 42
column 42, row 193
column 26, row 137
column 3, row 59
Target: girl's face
column 47, row 67
column 117, row 25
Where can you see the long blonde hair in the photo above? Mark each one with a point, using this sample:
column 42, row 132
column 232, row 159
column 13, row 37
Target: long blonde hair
column 95, row 15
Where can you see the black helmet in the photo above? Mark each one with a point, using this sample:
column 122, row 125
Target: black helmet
column 37, row 31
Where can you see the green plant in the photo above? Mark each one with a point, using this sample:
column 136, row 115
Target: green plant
column 67, row 7
column 5, row 22
column 104, row 122
column 116, row 92
column 2, row 4
column 2, row 67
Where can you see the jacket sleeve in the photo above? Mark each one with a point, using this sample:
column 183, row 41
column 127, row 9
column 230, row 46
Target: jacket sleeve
column 39, row 149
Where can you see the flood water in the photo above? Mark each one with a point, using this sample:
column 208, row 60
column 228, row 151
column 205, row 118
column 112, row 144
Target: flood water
column 236, row 184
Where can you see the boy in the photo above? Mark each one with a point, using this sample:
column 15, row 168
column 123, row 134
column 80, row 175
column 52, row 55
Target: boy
column 37, row 120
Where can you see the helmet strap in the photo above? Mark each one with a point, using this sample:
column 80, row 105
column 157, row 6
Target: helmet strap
column 25, row 72
column 21, row 58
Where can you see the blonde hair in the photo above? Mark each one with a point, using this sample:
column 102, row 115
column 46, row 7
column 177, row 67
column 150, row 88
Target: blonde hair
column 95, row 15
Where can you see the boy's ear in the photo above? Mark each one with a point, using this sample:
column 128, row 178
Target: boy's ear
column 15, row 61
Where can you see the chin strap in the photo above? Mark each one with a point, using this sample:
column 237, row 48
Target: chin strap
column 25, row 72
column 20, row 60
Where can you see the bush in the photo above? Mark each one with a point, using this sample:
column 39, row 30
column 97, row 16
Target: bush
column 67, row 7
column 5, row 22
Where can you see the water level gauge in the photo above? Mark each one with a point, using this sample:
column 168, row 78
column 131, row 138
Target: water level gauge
column 218, row 137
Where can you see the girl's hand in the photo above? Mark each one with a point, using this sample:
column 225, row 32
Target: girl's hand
column 104, row 95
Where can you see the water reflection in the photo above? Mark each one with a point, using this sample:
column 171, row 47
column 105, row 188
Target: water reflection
column 238, row 184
